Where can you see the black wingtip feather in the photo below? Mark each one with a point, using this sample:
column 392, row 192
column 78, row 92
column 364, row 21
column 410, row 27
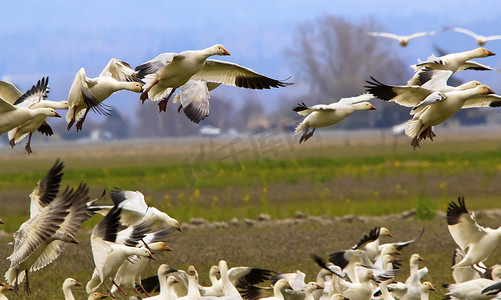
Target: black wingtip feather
column 367, row 238
column 454, row 211
column 338, row 259
column 300, row 107
column 380, row 90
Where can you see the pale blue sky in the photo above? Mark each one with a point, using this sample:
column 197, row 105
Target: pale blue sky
column 57, row 37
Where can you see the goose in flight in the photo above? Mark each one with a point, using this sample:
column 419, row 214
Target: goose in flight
column 322, row 115
column 480, row 39
column 88, row 93
column 403, row 40
column 169, row 71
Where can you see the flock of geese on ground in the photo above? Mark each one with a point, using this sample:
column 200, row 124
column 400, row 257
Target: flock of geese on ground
column 124, row 241
column 195, row 75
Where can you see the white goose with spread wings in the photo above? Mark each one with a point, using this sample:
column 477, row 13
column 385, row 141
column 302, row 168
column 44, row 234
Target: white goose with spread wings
column 42, row 238
column 478, row 242
column 322, row 115
column 480, row 39
column 89, row 93
column 169, row 71
column 403, row 40
column 32, row 99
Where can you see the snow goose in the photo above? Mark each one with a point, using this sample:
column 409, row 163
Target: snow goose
column 109, row 255
column 67, row 285
column 193, row 291
column 414, row 266
column 480, row 288
column 11, row 116
column 370, row 242
column 169, row 71
column 436, row 107
column 40, row 240
column 357, row 290
column 166, row 284
column 33, row 99
column 89, row 93
column 4, row 288
column 478, row 242
column 129, row 273
column 453, row 62
column 278, row 290
column 414, row 96
column 216, row 288
column 135, row 209
column 403, row 40
column 311, row 287
column 322, row 115
column 480, row 39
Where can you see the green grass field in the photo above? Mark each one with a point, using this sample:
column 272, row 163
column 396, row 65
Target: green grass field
column 328, row 177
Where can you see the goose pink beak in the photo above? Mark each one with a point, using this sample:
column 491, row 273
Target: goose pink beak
column 373, row 107
column 226, row 52
column 490, row 53
column 57, row 115
column 489, row 91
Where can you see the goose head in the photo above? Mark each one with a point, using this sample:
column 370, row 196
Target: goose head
column 5, row 287
column 415, row 258
column 159, row 246
column 214, row 271
column 482, row 52
column 65, row 237
column 427, row 286
column 165, row 269
column 313, row 286
column 97, row 295
column 218, row 49
column 192, row 271
column 483, row 90
column 69, row 282
column 383, row 231
column 134, row 87
column 468, row 85
column 364, row 106
column 144, row 252
column 50, row 112
column 171, row 280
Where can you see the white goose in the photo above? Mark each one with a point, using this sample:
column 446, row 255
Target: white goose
column 478, row 242
column 414, row 95
column 135, row 210
column 89, row 93
column 108, row 255
column 403, row 40
column 361, row 290
column 193, row 291
column 474, row 289
column 278, row 290
column 166, row 284
column 370, row 242
column 12, row 117
column 41, row 239
column 322, row 115
column 3, row 289
column 67, row 285
column 129, row 273
column 216, row 288
column 452, row 62
column 169, row 71
column 480, row 39
column 32, row 99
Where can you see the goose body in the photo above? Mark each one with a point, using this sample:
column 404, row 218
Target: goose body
column 196, row 75
column 453, row 62
column 89, row 93
column 322, row 115
column 478, row 242
column 109, row 255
